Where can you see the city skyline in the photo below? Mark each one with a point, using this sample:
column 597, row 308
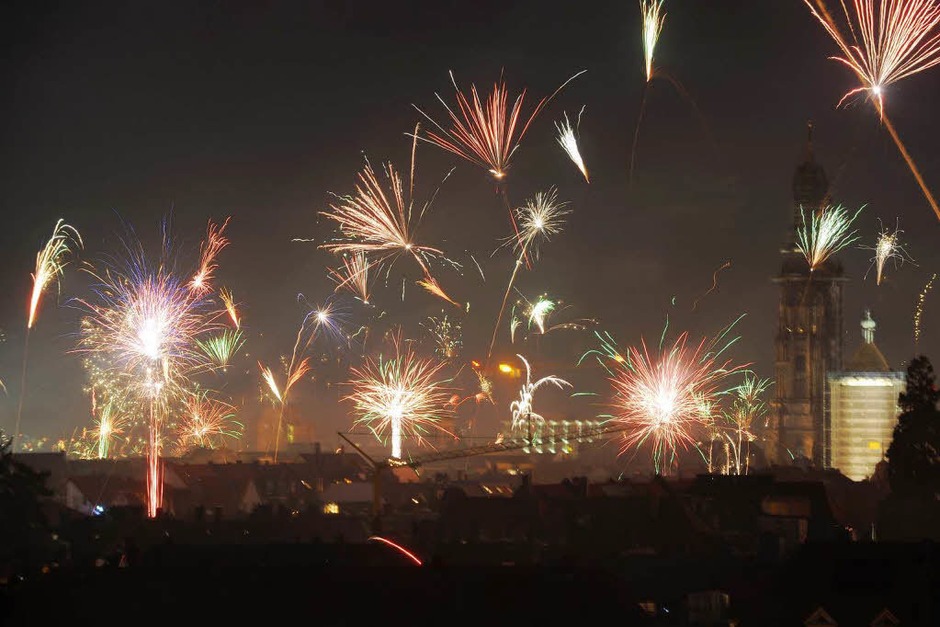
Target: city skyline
column 261, row 113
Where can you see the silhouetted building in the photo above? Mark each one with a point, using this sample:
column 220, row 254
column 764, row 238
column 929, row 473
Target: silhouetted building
column 863, row 408
column 808, row 339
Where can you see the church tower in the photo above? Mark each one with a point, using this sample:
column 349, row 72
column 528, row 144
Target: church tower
column 808, row 338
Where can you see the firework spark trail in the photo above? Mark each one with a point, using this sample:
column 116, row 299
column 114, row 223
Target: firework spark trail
column 714, row 286
column 402, row 396
column 50, row 266
column 229, row 301
column 825, row 233
column 220, row 348
column 431, row 285
column 145, row 322
column 568, row 140
column 447, row 335
column 919, row 309
column 896, row 41
column 522, row 414
column 652, row 18
column 209, row 249
column 317, row 319
column 354, row 275
column 539, row 311
column 108, row 425
column 376, row 221
column 746, row 408
column 658, row 397
column 888, row 246
column 652, row 25
column 540, row 218
column 485, row 134
column 380, row 222
column 207, row 422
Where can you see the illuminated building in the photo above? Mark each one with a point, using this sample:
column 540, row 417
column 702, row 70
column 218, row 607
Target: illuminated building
column 863, row 408
column 808, row 339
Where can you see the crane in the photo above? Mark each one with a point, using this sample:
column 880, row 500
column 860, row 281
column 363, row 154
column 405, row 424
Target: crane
column 378, row 465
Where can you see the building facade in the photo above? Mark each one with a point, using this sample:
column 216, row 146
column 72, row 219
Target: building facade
column 808, row 339
column 863, row 408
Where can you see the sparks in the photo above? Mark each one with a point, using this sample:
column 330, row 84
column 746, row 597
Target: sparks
column 524, row 420
column 207, row 422
column 446, row 335
column 485, row 134
column 377, row 220
column 430, row 284
column 652, row 25
column 568, row 140
column 540, row 218
column 897, row 41
column 919, row 309
column 229, row 301
column 825, row 233
column 211, row 247
column 145, row 322
column 539, row 311
column 400, row 396
column 888, row 246
column 354, row 275
column 659, row 397
column 50, row 264
column 220, row 348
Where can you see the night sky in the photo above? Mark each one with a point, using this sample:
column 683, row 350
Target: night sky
column 259, row 110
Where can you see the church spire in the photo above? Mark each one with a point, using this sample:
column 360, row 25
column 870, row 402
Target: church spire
column 868, row 328
column 808, row 158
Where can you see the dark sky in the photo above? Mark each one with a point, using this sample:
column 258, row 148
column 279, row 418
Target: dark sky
column 259, row 110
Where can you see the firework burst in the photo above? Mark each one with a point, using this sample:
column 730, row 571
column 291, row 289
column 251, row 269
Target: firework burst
column 220, row 348
column 824, row 233
column 401, row 396
column 523, row 418
column 659, row 397
column 446, row 334
column 353, row 275
column 539, row 219
column 379, row 221
column 211, row 247
column 229, row 301
column 207, row 422
column 568, row 140
column 145, row 323
column 652, row 25
column 888, row 246
column 485, row 134
column 747, row 407
column 50, row 264
column 890, row 43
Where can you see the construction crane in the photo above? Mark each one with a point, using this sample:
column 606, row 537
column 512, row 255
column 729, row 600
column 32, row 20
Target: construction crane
column 494, row 447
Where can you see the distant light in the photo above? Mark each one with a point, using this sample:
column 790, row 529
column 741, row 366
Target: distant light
column 98, row 510
column 505, row 368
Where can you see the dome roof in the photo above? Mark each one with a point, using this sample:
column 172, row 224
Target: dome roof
column 867, row 359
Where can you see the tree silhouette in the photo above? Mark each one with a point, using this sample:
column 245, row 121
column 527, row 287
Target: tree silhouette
column 921, row 389
column 914, row 453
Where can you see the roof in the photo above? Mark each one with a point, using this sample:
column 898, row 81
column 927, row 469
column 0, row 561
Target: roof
column 867, row 359
column 110, row 490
